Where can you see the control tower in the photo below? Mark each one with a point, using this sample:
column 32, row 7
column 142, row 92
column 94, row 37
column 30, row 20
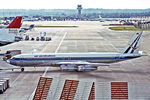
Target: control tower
column 79, row 7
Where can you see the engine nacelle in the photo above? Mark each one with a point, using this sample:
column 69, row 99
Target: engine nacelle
column 86, row 68
column 77, row 68
column 68, row 67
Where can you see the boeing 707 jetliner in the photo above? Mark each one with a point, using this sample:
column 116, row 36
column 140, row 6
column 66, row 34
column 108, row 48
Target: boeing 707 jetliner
column 79, row 61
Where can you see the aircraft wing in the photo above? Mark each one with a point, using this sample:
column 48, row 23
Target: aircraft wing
column 78, row 63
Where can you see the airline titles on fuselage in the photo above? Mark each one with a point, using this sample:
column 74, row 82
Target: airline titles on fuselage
column 15, row 31
column 45, row 56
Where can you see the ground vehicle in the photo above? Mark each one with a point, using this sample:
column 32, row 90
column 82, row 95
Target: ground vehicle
column 11, row 53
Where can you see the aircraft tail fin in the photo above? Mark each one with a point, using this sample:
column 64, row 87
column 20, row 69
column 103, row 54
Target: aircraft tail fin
column 132, row 46
column 16, row 23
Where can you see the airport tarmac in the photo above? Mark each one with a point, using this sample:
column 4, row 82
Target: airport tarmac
column 89, row 36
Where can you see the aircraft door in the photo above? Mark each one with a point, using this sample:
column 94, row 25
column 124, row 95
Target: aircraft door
column 21, row 61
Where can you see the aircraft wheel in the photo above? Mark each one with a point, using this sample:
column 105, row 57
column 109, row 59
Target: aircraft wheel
column 22, row 69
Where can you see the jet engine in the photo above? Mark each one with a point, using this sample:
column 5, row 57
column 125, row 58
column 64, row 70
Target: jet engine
column 77, row 68
column 86, row 68
column 68, row 67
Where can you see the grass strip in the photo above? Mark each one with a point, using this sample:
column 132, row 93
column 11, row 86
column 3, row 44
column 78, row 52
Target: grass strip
column 127, row 28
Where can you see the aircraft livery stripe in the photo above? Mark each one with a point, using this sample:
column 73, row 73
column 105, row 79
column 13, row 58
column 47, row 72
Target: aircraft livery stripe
column 73, row 58
column 134, row 47
column 136, row 44
column 131, row 45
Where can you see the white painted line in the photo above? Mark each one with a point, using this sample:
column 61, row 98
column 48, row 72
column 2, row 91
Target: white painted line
column 60, row 42
column 31, row 96
column 15, row 80
column 45, row 71
column 55, row 52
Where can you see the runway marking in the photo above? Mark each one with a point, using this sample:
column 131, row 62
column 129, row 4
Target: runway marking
column 55, row 52
column 31, row 96
column 60, row 42
column 15, row 80
column 45, row 71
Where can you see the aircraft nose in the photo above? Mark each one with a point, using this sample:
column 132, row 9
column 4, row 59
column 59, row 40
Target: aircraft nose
column 8, row 61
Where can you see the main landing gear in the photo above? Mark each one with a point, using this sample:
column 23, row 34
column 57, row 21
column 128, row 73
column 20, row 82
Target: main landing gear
column 22, row 69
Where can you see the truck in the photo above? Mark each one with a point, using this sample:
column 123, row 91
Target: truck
column 10, row 54
column 42, row 35
column 1, row 87
column 4, row 85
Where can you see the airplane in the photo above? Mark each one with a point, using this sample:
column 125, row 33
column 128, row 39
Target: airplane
column 10, row 33
column 4, row 24
column 24, row 29
column 79, row 61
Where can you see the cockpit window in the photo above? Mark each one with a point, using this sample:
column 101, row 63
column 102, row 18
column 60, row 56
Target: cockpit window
column 14, row 58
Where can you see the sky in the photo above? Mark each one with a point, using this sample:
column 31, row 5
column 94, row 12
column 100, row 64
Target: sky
column 72, row 4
